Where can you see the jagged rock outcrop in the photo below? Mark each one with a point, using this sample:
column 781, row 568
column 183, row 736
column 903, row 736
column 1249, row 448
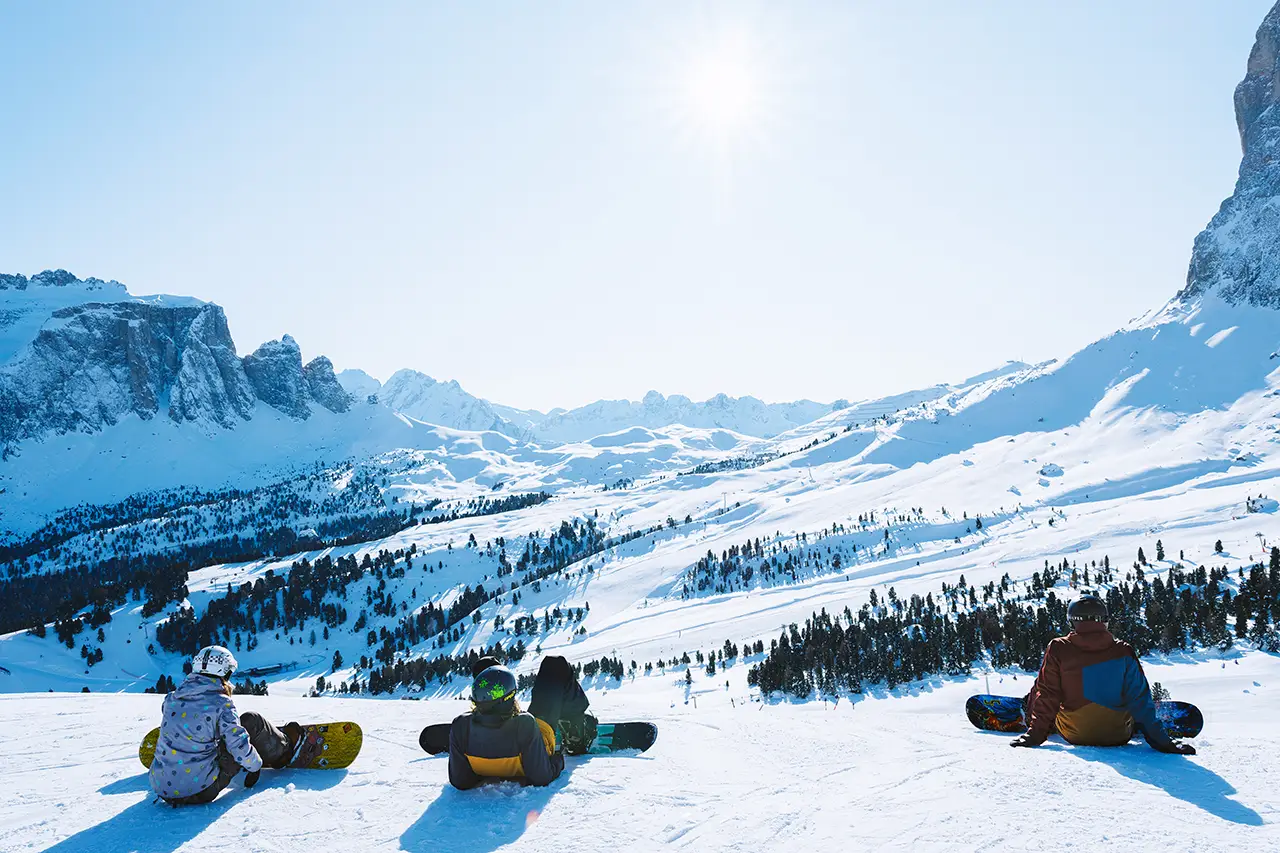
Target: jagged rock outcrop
column 92, row 364
column 211, row 382
column 275, row 372
column 1237, row 256
column 323, row 385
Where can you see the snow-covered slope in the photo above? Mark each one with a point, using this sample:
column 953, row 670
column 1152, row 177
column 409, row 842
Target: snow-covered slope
column 887, row 773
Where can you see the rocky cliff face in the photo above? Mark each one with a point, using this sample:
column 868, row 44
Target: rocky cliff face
column 211, row 382
column 279, row 379
column 275, row 371
column 1237, row 256
column 92, row 364
column 84, row 366
column 323, row 385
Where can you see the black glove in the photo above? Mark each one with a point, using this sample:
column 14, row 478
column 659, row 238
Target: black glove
column 1029, row 739
column 1174, row 747
column 251, row 777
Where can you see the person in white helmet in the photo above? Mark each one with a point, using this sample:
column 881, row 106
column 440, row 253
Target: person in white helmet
column 203, row 742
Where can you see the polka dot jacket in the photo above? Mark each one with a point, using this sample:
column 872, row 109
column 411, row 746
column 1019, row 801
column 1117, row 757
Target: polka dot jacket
column 197, row 716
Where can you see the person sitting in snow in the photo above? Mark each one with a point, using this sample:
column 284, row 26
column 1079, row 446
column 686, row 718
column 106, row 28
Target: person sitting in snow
column 203, row 744
column 1091, row 689
column 498, row 741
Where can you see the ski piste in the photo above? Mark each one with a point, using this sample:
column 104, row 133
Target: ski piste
column 610, row 737
column 325, row 746
column 1008, row 714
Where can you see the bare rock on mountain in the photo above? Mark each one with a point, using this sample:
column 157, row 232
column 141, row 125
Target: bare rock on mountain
column 1237, row 256
column 211, row 382
column 323, row 385
column 275, row 372
column 92, row 364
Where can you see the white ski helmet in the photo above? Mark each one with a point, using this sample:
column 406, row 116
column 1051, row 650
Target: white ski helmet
column 214, row 660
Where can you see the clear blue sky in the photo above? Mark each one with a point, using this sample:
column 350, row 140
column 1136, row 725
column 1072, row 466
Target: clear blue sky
column 558, row 202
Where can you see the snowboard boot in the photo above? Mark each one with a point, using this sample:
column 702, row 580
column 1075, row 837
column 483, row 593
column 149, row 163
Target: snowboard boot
column 576, row 736
column 296, row 734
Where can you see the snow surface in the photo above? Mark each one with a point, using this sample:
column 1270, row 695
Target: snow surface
column 901, row 771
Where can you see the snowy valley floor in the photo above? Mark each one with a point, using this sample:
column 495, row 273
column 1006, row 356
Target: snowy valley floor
column 901, row 772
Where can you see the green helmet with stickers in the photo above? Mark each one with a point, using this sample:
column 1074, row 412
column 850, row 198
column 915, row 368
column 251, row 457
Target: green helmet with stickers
column 493, row 686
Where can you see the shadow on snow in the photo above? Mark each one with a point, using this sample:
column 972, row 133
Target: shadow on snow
column 1182, row 778
column 150, row 826
column 480, row 820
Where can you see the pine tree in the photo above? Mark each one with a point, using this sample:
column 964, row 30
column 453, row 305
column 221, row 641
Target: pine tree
column 1159, row 550
column 1217, row 547
column 337, row 661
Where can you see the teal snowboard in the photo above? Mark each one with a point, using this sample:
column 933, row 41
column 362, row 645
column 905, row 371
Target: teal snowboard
column 610, row 737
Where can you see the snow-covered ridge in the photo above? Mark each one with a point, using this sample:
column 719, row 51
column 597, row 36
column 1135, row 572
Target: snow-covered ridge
column 417, row 395
column 745, row 415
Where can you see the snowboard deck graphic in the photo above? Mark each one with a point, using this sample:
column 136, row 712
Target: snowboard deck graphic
column 1007, row 713
column 325, row 746
column 610, row 737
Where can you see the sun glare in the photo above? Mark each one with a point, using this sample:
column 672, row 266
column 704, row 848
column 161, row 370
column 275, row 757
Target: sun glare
column 722, row 91
column 718, row 89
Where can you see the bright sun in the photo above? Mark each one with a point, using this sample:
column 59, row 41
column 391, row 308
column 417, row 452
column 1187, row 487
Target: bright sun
column 722, row 91
column 718, row 92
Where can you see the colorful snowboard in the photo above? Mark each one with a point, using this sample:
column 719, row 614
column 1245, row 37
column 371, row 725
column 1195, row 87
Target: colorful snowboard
column 1006, row 714
column 610, row 737
column 326, row 746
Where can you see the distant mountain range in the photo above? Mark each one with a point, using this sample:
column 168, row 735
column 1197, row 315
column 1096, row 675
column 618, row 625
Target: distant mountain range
column 158, row 377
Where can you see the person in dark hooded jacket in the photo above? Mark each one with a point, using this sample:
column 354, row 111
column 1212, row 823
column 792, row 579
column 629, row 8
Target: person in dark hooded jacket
column 203, row 743
column 499, row 741
column 1091, row 689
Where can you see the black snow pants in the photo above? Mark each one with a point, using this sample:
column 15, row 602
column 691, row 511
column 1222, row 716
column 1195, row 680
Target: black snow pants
column 271, row 744
column 558, row 700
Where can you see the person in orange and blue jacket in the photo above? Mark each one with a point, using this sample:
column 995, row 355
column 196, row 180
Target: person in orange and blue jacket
column 1091, row 689
column 499, row 741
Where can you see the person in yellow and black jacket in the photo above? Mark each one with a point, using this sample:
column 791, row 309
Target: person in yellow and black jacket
column 1091, row 689
column 499, row 741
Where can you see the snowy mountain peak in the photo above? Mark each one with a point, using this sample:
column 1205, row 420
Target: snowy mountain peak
column 419, row 396
column 1238, row 255
column 358, row 383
